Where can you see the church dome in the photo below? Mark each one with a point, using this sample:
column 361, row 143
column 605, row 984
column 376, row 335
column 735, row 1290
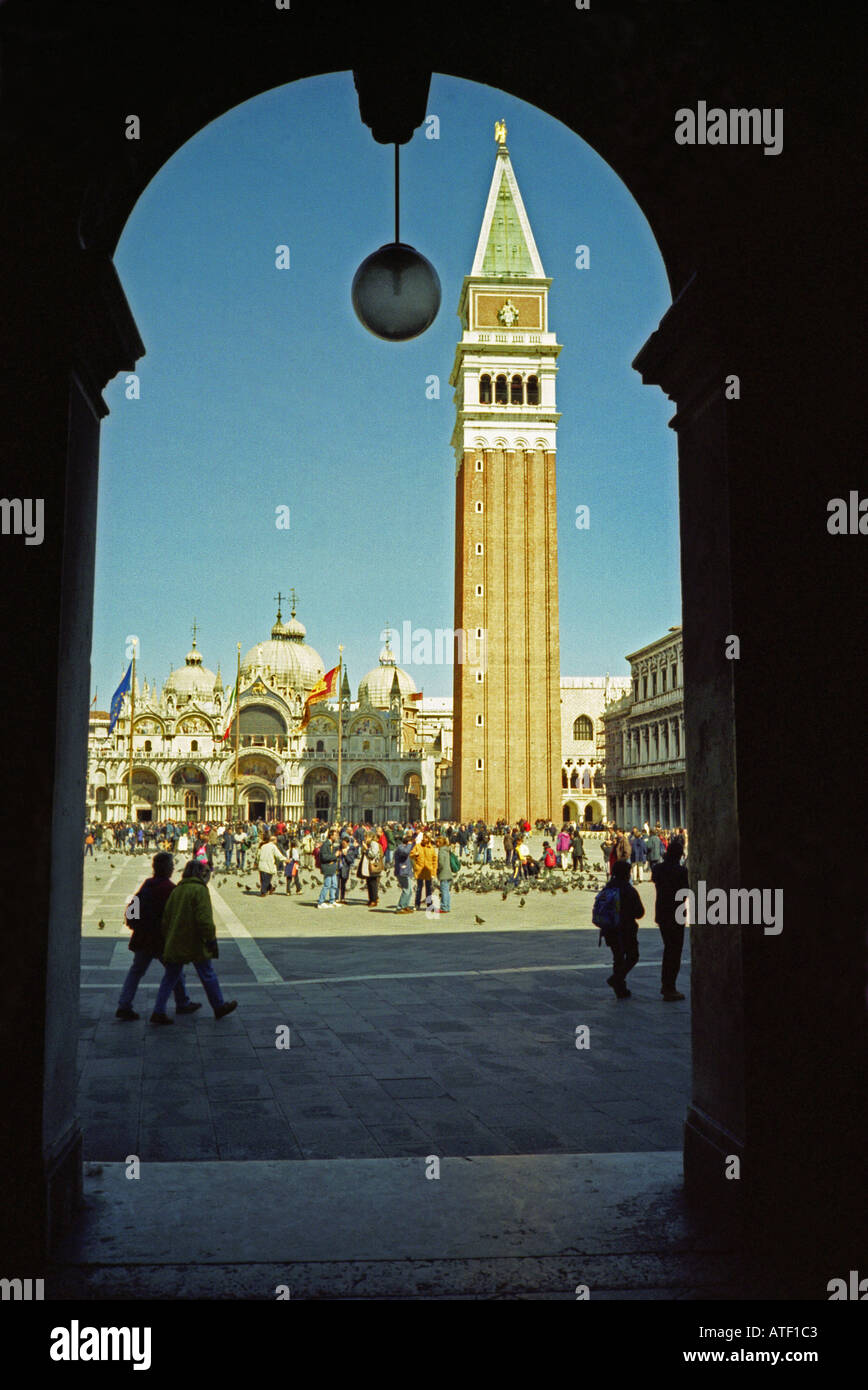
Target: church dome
column 376, row 687
column 192, row 679
column 286, row 657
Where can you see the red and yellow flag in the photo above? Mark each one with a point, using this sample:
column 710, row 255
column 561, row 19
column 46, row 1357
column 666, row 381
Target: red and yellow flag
column 321, row 691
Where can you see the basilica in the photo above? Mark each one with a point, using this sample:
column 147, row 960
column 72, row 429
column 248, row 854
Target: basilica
column 395, row 764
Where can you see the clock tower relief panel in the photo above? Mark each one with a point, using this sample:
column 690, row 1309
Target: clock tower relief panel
column 507, row 753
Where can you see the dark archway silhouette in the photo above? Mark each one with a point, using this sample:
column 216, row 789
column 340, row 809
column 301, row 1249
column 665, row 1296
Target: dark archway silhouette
column 757, row 253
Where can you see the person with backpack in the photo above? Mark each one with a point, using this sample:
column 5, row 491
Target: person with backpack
column 617, row 908
column 347, row 855
column 549, row 858
column 447, row 865
column 327, row 861
column 669, row 877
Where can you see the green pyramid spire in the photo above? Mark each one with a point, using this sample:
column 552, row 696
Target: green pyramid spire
column 506, row 251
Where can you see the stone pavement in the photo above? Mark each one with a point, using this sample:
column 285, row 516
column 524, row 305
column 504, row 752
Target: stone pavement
column 408, row 1036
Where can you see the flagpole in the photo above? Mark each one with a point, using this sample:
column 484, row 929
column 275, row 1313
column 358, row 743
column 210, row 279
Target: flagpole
column 132, row 717
column 340, row 726
column 235, row 806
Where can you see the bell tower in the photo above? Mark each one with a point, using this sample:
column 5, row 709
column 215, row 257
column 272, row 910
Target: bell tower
column 506, row 681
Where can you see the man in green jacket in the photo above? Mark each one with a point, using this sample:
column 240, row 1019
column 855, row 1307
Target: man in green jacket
column 190, row 938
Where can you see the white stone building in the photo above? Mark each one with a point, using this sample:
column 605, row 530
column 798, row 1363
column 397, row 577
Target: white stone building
column 396, row 760
column 644, row 739
column 583, row 771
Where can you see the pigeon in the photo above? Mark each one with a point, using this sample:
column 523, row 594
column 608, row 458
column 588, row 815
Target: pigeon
column 504, row 897
column 97, row 878
column 480, row 921
column 238, row 883
column 101, row 924
column 522, row 902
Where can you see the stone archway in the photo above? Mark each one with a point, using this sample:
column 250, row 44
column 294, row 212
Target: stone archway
column 724, row 222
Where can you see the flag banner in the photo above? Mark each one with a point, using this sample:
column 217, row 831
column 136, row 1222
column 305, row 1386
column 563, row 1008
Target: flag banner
column 231, row 709
column 321, row 691
column 417, row 695
column 118, row 698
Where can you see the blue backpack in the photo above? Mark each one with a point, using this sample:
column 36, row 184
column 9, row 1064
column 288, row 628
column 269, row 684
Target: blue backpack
column 606, row 912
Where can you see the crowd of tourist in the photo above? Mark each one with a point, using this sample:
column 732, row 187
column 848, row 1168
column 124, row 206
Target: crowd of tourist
column 174, row 924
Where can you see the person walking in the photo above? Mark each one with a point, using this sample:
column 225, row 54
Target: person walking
column 423, row 857
column 328, row 863
column 670, row 876
column 291, row 869
column 623, row 939
column 577, row 850
column 347, row 855
column 190, row 938
column 307, row 850
column 88, row 844
column 404, row 872
column 146, row 942
column 268, row 861
column 228, row 845
column 444, row 872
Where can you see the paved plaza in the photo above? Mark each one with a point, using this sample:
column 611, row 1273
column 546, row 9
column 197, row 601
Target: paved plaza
column 408, row 1036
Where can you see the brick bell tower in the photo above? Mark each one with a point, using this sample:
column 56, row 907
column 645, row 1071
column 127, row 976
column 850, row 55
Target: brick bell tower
column 506, row 682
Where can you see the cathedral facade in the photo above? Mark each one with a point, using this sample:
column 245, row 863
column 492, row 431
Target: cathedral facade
column 395, row 759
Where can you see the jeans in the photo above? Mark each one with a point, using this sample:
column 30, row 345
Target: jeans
column 88, row 849
column 444, row 894
column 242, row 853
column 139, row 968
column 228, row 854
column 427, row 884
column 329, row 889
column 207, row 974
column 373, row 882
column 406, row 897
column 264, row 883
column 387, row 857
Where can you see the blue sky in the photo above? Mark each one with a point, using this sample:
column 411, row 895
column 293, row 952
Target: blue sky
column 261, row 389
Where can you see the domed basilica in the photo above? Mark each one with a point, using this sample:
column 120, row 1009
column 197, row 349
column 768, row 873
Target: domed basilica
column 396, row 761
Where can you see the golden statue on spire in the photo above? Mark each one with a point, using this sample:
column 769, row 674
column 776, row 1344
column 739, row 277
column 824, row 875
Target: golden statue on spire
column 500, row 132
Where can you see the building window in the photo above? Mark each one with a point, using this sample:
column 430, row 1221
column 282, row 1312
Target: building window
column 533, row 390
column 479, row 764
column 194, row 745
column 479, row 634
column 479, row 591
column 147, row 745
column 478, row 507
column 479, row 547
column 516, row 391
column 674, row 669
column 479, row 677
column 653, row 682
column 479, row 465
column 479, row 721
column 662, row 678
column 635, row 687
column 500, row 392
column 563, row 777
column 320, row 746
column 485, row 390
column 583, row 728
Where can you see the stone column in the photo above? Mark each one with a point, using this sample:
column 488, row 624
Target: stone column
column 69, row 332
column 779, row 1020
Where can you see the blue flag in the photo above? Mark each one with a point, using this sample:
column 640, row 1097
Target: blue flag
column 118, row 698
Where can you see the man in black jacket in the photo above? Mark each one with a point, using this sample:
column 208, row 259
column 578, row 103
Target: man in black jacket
column 668, row 878
column 623, row 940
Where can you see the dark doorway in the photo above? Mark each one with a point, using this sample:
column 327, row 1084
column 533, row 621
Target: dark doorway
column 256, row 810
